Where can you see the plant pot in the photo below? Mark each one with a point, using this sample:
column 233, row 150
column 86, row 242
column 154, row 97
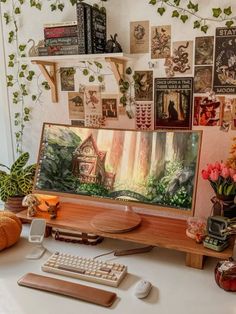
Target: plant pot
column 14, row 204
column 224, row 206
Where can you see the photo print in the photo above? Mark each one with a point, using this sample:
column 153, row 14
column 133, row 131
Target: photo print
column 173, row 103
column 76, row 105
column 110, row 105
column 67, row 76
column 139, row 37
column 143, row 86
column 161, row 42
column 183, row 57
column 204, row 47
column 225, row 61
column 207, row 111
column 203, row 79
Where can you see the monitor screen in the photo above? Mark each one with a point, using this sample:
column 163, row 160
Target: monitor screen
column 154, row 169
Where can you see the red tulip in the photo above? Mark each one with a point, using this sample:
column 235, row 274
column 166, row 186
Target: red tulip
column 225, row 172
column 214, row 175
column 205, row 174
column 217, row 166
column 210, row 167
column 234, row 178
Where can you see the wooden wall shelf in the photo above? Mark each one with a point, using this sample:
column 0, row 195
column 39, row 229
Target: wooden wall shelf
column 117, row 62
column 157, row 231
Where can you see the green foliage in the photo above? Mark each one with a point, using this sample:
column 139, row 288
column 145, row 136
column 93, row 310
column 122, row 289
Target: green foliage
column 17, row 180
column 92, row 189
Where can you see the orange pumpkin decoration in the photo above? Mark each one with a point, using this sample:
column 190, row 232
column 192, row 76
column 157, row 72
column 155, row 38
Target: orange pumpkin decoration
column 10, row 229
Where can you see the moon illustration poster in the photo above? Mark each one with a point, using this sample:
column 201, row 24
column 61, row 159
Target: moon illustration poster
column 225, row 61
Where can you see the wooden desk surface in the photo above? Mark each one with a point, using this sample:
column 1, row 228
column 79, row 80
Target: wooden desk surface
column 157, row 231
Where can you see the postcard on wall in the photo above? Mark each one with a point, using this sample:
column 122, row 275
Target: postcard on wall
column 204, row 47
column 207, row 111
column 139, row 37
column 79, row 123
column 203, row 79
column 92, row 100
column 161, row 42
column 94, row 120
column 228, row 104
column 67, row 79
column 144, row 86
column 144, row 116
column 173, row 103
column 76, row 105
column 225, row 61
column 110, row 105
column 183, row 57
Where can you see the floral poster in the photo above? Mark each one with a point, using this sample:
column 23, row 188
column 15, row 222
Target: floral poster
column 139, row 37
column 161, row 42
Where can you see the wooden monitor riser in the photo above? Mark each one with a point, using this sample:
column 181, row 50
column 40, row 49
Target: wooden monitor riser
column 156, row 231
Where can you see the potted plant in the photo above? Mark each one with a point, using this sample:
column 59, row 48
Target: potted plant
column 16, row 182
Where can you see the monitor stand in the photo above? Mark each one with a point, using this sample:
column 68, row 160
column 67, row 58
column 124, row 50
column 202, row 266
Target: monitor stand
column 116, row 221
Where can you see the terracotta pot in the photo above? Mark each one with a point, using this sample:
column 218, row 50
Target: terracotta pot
column 14, row 204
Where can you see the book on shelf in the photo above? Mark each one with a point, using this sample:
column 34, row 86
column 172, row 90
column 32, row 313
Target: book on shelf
column 58, row 50
column 60, row 24
column 61, row 41
column 99, row 33
column 57, row 32
column 81, row 22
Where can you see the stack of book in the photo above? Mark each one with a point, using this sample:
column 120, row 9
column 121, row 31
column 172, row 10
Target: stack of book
column 60, row 39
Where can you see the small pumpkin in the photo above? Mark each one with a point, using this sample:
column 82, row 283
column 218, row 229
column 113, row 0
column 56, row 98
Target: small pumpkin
column 10, row 229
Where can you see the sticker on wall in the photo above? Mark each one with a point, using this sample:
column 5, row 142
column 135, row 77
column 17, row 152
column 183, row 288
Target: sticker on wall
column 139, row 37
column 204, row 47
column 94, row 120
column 144, row 116
column 203, row 79
column 161, row 42
column 144, row 86
column 110, row 106
column 225, row 61
column 173, row 103
column 183, row 57
column 207, row 111
column 76, row 105
column 67, row 79
column 92, row 100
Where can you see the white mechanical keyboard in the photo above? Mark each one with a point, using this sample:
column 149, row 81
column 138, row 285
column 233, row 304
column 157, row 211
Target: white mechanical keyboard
column 88, row 269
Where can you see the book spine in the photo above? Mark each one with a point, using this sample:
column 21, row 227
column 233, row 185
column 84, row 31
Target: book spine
column 56, row 32
column 88, row 11
column 99, row 35
column 51, row 25
column 81, row 20
column 62, row 41
column 58, row 50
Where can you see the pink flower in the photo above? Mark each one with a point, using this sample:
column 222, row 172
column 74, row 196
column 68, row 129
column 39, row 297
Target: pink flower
column 225, row 172
column 205, row 174
column 210, row 167
column 232, row 172
column 217, row 166
column 222, row 165
column 234, row 178
column 214, row 175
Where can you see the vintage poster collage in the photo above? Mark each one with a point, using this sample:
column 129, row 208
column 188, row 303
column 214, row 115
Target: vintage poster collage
column 198, row 87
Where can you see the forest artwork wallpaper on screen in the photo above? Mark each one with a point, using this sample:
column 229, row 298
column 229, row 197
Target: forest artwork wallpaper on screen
column 155, row 168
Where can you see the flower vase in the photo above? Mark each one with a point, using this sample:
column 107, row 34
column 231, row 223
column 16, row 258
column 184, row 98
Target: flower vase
column 224, row 206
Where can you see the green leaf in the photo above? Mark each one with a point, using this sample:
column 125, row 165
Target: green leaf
column 25, row 185
column 196, row 24
column 161, row 10
column 228, row 11
column 229, row 23
column 204, row 28
column 177, row 2
column 34, row 97
column 100, row 78
column 183, row 18
column 153, row 2
column 17, row 10
column 91, row 78
column 175, row 13
column 98, row 64
column 20, row 162
column 216, row 12
column 128, row 71
column 85, row 72
column 61, row 6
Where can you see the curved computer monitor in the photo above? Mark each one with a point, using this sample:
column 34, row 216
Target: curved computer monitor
column 154, row 169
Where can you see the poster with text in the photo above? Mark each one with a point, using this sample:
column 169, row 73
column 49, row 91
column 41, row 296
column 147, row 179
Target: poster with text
column 225, row 61
column 139, row 37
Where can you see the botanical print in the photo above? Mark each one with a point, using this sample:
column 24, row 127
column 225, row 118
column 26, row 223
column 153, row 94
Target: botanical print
column 225, row 61
column 76, row 105
column 169, row 67
column 144, row 116
column 161, row 42
column 207, row 111
column 183, row 57
column 203, row 79
column 67, row 79
column 143, row 86
column 142, row 167
column 204, row 47
column 110, row 106
column 92, row 100
column 139, row 37
column 173, row 103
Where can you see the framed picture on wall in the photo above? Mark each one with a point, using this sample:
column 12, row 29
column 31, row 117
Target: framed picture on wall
column 173, row 103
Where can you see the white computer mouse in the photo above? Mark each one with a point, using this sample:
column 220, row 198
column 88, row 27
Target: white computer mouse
column 142, row 289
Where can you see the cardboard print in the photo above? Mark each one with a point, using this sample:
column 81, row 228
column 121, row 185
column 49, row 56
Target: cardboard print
column 139, row 37
column 225, row 61
column 161, row 42
column 110, row 106
column 203, row 79
column 204, row 47
column 144, row 116
column 144, row 86
column 183, row 57
column 67, row 79
column 76, row 105
column 120, row 166
column 207, row 111
column 173, row 103
column 92, row 100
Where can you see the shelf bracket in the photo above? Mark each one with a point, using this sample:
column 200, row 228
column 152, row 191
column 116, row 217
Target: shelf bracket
column 117, row 66
column 50, row 76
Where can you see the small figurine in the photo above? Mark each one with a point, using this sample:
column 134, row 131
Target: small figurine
column 52, row 209
column 112, row 45
column 32, row 202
